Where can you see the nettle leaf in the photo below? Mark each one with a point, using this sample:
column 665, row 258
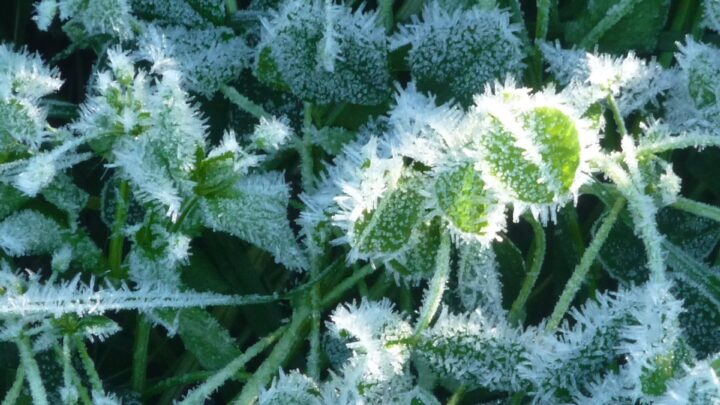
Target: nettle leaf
column 185, row 12
column 690, row 239
column 455, row 52
column 389, row 228
column 623, row 254
column 465, row 200
column 419, row 261
column 557, row 138
column 203, row 336
column 255, row 209
column 64, row 194
column 11, row 199
column 512, row 269
column 639, row 29
column 325, row 52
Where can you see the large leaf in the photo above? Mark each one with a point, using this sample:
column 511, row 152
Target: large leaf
column 255, row 210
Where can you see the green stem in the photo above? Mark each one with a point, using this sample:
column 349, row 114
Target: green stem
column 140, row 354
column 517, row 310
column 678, row 24
column 437, row 286
column 612, row 16
column 14, row 392
column 543, row 18
column 187, row 208
column 692, row 140
column 573, row 285
column 340, row 289
column 313, row 363
column 67, row 363
column 231, row 6
column 243, row 102
column 619, row 121
column 117, row 241
column 457, row 395
column 262, row 376
column 386, row 14
column 74, row 377
column 198, row 395
column 89, row 366
column 697, row 208
column 32, row 371
column 189, row 378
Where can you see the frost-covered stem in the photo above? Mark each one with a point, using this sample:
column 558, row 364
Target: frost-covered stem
column 643, row 211
column 340, row 289
column 543, row 18
column 140, row 353
column 693, row 140
column 617, row 116
column 697, row 208
column 14, row 392
column 243, row 102
column 262, row 376
column 186, row 209
column 231, row 6
column 457, row 395
column 67, row 364
column 88, row 365
column 74, row 377
column 32, row 371
column 117, row 240
column 578, row 277
column 304, row 148
column 386, row 14
column 436, row 288
column 203, row 391
column 612, row 16
column 517, row 310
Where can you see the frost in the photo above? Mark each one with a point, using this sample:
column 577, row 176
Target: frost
column 463, row 49
column 324, row 52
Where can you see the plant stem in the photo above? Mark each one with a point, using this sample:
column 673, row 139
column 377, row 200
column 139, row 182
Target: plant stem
column 457, row 395
column 619, row 121
column 198, row 395
column 74, row 377
column 340, row 289
column 117, row 241
column 436, row 288
column 189, row 378
column 517, row 310
column 697, row 208
column 89, row 366
column 262, row 376
column 32, row 371
column 231, row 6
column 187, row 208
column 612, row 16
column 14, row 392
column 140, row 352
column 573, row 285
column 386, row 14
column 543, row 18
column 243, row 102
column 692, row 140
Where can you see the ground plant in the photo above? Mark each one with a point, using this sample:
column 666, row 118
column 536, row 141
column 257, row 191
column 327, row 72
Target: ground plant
column 344, row 202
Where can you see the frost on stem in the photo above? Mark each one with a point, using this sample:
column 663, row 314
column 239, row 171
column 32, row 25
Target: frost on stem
column 534, row 150
column 375, row 374
column 591, row 76
column 324, row 52
column 462, row 49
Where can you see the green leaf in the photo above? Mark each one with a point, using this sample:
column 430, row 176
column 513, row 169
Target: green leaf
column 255, row 210
column 463, row 197
column 11, row 199
column 203, row 336
column 419, row 260
column 557, row 139
column 389, row 228
column 511, row 265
